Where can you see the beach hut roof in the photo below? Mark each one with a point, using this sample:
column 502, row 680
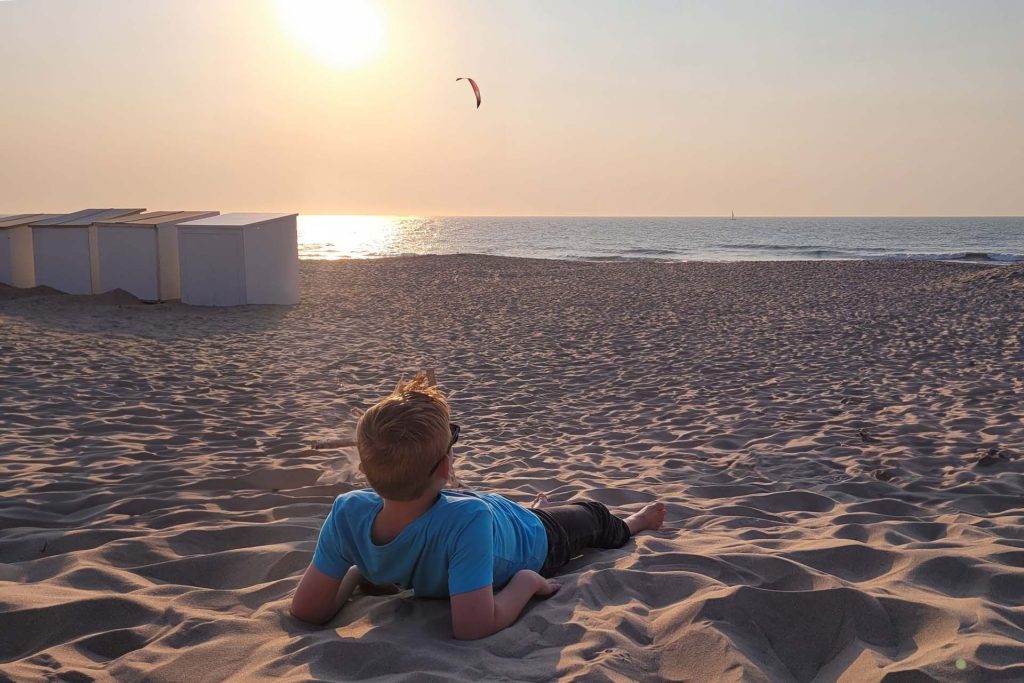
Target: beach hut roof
column 154, row 218
column 230, row 220
column 85, row 218
column 21, row 219
column 57, row 219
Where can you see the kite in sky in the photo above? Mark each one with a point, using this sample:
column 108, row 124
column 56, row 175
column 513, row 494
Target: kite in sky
column 476, row 89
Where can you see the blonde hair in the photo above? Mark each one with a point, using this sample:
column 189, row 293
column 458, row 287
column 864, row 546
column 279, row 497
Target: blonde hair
column 402, row 436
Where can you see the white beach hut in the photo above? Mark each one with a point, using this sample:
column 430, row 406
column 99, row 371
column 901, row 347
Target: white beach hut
column 16, row 263
column 64, row 249
column 139, row 253
column 239, row 258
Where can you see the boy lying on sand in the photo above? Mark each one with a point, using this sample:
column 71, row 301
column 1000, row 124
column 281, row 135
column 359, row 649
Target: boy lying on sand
column 488, row 554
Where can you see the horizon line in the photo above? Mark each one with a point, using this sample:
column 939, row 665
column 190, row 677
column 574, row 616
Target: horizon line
column 574, row 215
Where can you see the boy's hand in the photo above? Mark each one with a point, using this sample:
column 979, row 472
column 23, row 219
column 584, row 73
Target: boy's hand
column 480, row 613
column 546, row 587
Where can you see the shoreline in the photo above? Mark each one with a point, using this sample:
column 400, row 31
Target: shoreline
column 970, row 258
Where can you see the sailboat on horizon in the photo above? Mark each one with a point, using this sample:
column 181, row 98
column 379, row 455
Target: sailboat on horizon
column 732, row 217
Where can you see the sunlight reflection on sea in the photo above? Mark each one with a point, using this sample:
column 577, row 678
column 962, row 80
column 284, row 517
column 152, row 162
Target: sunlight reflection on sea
column 982, row 239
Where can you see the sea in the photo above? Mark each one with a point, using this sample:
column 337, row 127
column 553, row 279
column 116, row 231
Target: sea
column 998, row 240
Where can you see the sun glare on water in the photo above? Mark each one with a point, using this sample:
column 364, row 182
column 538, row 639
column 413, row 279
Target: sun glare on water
column 337, row 237
column 343, row 33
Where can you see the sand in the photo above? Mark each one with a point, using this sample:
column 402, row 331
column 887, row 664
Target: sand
column 840, row 446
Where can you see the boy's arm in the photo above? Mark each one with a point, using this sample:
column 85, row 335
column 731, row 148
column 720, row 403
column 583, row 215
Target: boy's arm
column 481, row 613
column 319, row 596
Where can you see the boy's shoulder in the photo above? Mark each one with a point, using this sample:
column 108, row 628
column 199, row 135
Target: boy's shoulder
column 356, row 501
column 460, row 506
column 467, row 500
column 467, row 505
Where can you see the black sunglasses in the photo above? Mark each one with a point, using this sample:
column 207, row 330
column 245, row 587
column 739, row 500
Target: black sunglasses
column 456, row 429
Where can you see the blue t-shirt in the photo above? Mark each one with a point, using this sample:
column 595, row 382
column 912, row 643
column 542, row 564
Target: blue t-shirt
column 463, row 542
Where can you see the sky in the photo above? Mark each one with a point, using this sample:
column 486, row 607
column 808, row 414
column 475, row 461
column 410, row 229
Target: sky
column 590, row 107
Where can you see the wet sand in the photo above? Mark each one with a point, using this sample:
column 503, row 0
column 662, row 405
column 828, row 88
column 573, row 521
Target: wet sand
column 840, row 446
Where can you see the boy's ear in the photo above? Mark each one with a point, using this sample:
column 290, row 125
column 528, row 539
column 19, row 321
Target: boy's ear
column 444, row 469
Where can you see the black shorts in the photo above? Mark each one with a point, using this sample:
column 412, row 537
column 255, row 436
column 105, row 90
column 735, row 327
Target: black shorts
column 575, row 526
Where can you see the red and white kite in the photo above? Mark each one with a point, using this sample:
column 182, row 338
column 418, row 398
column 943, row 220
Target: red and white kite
column 476, row 88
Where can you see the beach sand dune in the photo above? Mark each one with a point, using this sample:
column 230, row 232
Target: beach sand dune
column 840, row 446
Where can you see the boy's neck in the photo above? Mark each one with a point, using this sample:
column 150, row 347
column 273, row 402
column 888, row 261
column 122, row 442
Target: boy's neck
column 404, row 511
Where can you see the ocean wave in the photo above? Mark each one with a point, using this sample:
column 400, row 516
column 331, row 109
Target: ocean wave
column 976, row 256
column 781, row 254
column 771, row 247
column 802, row 248
column 808, row 251
column 620, row 259
column 825, row 254
column 651, row 252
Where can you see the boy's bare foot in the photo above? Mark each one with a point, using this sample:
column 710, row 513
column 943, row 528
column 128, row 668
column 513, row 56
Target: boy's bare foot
column 541, row 501
column 651, row 517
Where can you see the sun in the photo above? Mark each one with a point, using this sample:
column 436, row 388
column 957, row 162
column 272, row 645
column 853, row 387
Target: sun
column 343, row 33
